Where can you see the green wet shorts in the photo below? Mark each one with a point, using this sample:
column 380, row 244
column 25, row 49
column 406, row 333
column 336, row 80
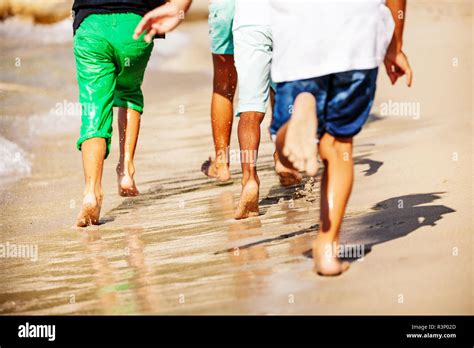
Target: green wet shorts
column 110, row 68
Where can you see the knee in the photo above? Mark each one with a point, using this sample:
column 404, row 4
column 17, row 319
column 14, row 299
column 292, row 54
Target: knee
column 336, row 149
column 225, row 89
column 251, row 118
column 343, row 150
column 305, row 99
column 225, row 86
column 225, row 76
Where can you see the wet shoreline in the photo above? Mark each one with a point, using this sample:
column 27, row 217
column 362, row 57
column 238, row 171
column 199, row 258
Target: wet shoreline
column 175, row 249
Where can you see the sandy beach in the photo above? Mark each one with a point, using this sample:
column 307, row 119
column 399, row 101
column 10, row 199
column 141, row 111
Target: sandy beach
column 176, row 249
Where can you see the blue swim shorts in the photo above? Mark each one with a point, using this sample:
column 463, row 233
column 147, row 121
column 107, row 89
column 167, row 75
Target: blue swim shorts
column 343, row 101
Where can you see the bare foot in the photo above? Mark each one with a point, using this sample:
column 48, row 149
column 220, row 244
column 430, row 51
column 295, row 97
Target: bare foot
column 126, row 186
column 300, row 141
column 288, row 177
column 90, row 211
column 125, row 182
column 326, row 262
column 248, row 204
column 215, row 170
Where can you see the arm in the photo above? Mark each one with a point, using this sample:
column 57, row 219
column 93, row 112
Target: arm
column 396, row 61
column 398, row 9
column 162, row 19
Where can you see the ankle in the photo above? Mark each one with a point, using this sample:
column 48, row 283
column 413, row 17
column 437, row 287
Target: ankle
column 90, row 198
column 119, row 168
column 130, row 169
column 95, row 191
column 221, row 165
column 250, row 177
column 221, row 159
column 125, row 169
column 99, row 194
column 325, row 245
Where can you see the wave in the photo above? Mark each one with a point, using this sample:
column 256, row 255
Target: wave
column 39, row 11
column 18, row 31
column 13, row 159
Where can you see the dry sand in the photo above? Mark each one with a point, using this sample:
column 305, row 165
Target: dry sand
column 176, row 249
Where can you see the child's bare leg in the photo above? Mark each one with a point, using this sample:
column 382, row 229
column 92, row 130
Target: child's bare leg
column 336, row 187
column 249, row 140
column 93, row 153
column 129, row 128
column 225, row 81
column 296, row 140
column 288, row 176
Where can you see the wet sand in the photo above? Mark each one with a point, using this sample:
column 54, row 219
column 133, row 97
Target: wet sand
column 175, row 249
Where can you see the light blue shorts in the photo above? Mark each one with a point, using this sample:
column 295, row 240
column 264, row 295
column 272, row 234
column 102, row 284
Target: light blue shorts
column 221, row 19
column 253, row 58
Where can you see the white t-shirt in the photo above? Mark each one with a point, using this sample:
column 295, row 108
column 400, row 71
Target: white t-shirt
column 251, row 12
column 314, row 38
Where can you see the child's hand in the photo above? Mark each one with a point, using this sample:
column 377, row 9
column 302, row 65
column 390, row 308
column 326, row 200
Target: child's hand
column 159, row 21
column 396, row 63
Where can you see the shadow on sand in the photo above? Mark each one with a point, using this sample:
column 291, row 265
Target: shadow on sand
column 391, row 219
column 395, row 218
column 162, row 189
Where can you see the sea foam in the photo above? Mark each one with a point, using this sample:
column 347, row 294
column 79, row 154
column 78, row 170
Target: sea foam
column 13, row 159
